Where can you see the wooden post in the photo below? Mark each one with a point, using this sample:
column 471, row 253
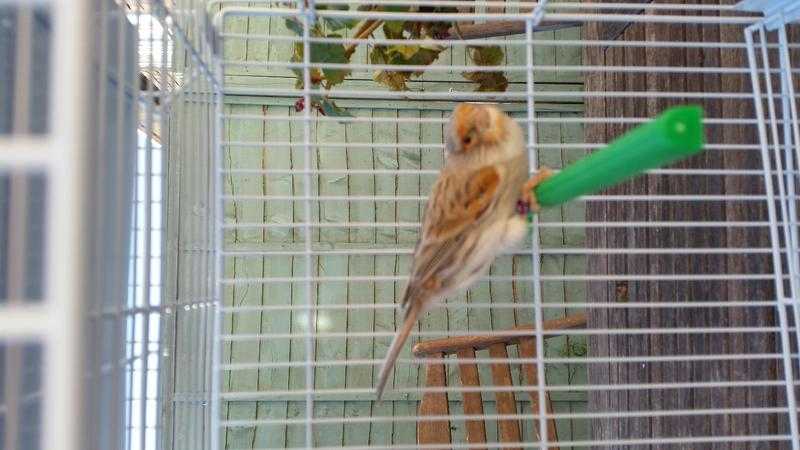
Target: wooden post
column 434, row 404
column 676, row 291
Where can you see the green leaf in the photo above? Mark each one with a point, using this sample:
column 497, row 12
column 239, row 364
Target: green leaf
column 488, row 81
column 425, row 56
column 339, row 23
column 394, row 80
column 406, row 51
column 294, row 25
column 366, row 6
column 393, row 29
column 335, row 7
column 334, row 54
column 435, row 30
column 322, row 53
column 486, row 56
column 297, row 57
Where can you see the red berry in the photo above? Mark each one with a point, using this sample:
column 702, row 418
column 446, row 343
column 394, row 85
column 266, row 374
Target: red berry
column 299, row 105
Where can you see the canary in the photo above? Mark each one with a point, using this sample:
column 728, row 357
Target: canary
column 471, row 215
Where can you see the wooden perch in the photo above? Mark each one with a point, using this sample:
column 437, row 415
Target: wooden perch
column 467, row 31
column 504, row 28
column 479, row 342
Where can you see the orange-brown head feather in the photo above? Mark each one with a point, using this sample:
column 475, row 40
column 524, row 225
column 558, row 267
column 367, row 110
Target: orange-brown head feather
column 475, row 126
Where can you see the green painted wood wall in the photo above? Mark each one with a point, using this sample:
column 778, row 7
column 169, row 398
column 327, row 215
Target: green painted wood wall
column 257, row 142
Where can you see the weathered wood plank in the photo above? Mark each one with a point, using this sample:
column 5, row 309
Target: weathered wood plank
column 527, row 349
column 234, row 49
column 296, row 433
column 491, row 425
column 331, row 320
column 480, row 319
column 258, row 50
column 297, row 348
column 360, row 320
column 386, row 293
column 356, row 433
column 380, row 433
column 297, row 135
column 276, row 351
column 408, row 133
column 472, row 401
column 508, row 429
column 332, row 184
column 673, row 291
column 247, row 295
column 451, row 345
column 329, row 434
column 404, row 432
column 360, row 159
column 277, row 156
column 270, row 436
column 434, row 404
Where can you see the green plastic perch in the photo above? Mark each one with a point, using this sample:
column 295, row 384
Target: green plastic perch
column 675, row 134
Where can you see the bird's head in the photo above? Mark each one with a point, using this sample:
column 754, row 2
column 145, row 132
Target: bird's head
column 480, row 131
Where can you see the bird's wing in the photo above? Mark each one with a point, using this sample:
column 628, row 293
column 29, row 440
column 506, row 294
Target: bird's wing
column 457, row 202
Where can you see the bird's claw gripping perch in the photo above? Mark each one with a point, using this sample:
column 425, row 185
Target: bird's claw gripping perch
column 527, row 203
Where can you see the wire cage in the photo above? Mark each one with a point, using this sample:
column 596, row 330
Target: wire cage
column 661, row 309
column 101, row 104
column 209, row 210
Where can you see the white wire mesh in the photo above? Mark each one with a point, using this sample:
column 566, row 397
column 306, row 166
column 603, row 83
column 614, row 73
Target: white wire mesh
column 686, row 344
column 88, row 92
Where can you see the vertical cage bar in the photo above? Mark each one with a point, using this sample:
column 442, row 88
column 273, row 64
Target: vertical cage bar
column 774, row 239
column 164, row 133
column 309, row 17
column 210, row 230
column 218, row 221
column 12, row 368
column 785, row 179
column 117, row 430
column 147, row 230
column 534, row 20
column 24, row 66
column 65, row 293
column 788, row 230
column 132, row 319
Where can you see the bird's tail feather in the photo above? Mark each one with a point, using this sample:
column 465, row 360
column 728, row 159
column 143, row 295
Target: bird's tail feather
column 412, row 313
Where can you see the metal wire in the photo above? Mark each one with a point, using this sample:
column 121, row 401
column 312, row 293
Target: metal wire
column 319, row 213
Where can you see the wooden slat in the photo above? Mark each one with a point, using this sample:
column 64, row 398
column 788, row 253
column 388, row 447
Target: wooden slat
column 527, row 349
column 508, row 429
column 472, row 401
column 496, row 10
column 478, row 342
column 434, row 404
column 502, row 28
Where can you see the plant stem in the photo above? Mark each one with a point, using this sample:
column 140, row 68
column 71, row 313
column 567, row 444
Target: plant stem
column 366, row 28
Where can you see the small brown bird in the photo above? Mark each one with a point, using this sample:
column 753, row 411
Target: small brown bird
column 471, row 215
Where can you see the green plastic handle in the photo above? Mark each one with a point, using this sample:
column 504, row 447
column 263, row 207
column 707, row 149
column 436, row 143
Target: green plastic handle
column 676, row 134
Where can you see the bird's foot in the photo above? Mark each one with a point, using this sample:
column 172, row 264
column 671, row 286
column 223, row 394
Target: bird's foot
column 528, row 198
